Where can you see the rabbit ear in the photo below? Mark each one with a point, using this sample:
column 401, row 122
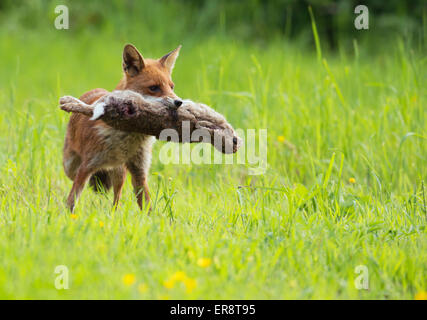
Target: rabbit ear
column 133, row 62
column 168, row 60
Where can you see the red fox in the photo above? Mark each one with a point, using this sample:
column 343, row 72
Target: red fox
column 96, row 152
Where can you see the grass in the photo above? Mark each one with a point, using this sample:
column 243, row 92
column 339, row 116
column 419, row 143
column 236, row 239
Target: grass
column 344, row 185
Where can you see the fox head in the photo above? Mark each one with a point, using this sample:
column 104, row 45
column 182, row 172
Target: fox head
column 149, row 76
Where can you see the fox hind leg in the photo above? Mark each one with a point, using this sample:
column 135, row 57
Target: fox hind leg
column 71, row 162
column 140, row 187
column 118, row 177
column 139, row 180
column 83, row 174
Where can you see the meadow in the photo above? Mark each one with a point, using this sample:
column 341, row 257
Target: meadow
column 345, row 184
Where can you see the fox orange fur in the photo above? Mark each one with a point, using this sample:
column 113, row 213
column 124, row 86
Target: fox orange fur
column 95, row 151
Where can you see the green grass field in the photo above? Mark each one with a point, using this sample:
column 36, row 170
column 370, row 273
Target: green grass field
column 344, row 185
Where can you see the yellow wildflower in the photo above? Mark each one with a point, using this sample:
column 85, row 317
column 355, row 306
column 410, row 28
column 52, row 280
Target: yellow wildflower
column 352, row 180
column 422, row 295
column 190, row 284
column 178, row 276
column 129, row 279
column 293, row 283
column 142, row 288
column 281, row 139
column 101, row 224
column 204, row 262
column 73, row 216
column 169, row 284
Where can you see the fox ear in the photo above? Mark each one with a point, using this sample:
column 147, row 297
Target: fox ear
column 168, row 60
column 133, row 62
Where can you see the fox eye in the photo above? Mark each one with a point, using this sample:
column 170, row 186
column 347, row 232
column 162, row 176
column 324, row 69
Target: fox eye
column 154, row 88
column 172, row 86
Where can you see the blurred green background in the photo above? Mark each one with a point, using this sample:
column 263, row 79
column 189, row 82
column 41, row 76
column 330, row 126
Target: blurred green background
column 252, row 20
column 345, row 184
